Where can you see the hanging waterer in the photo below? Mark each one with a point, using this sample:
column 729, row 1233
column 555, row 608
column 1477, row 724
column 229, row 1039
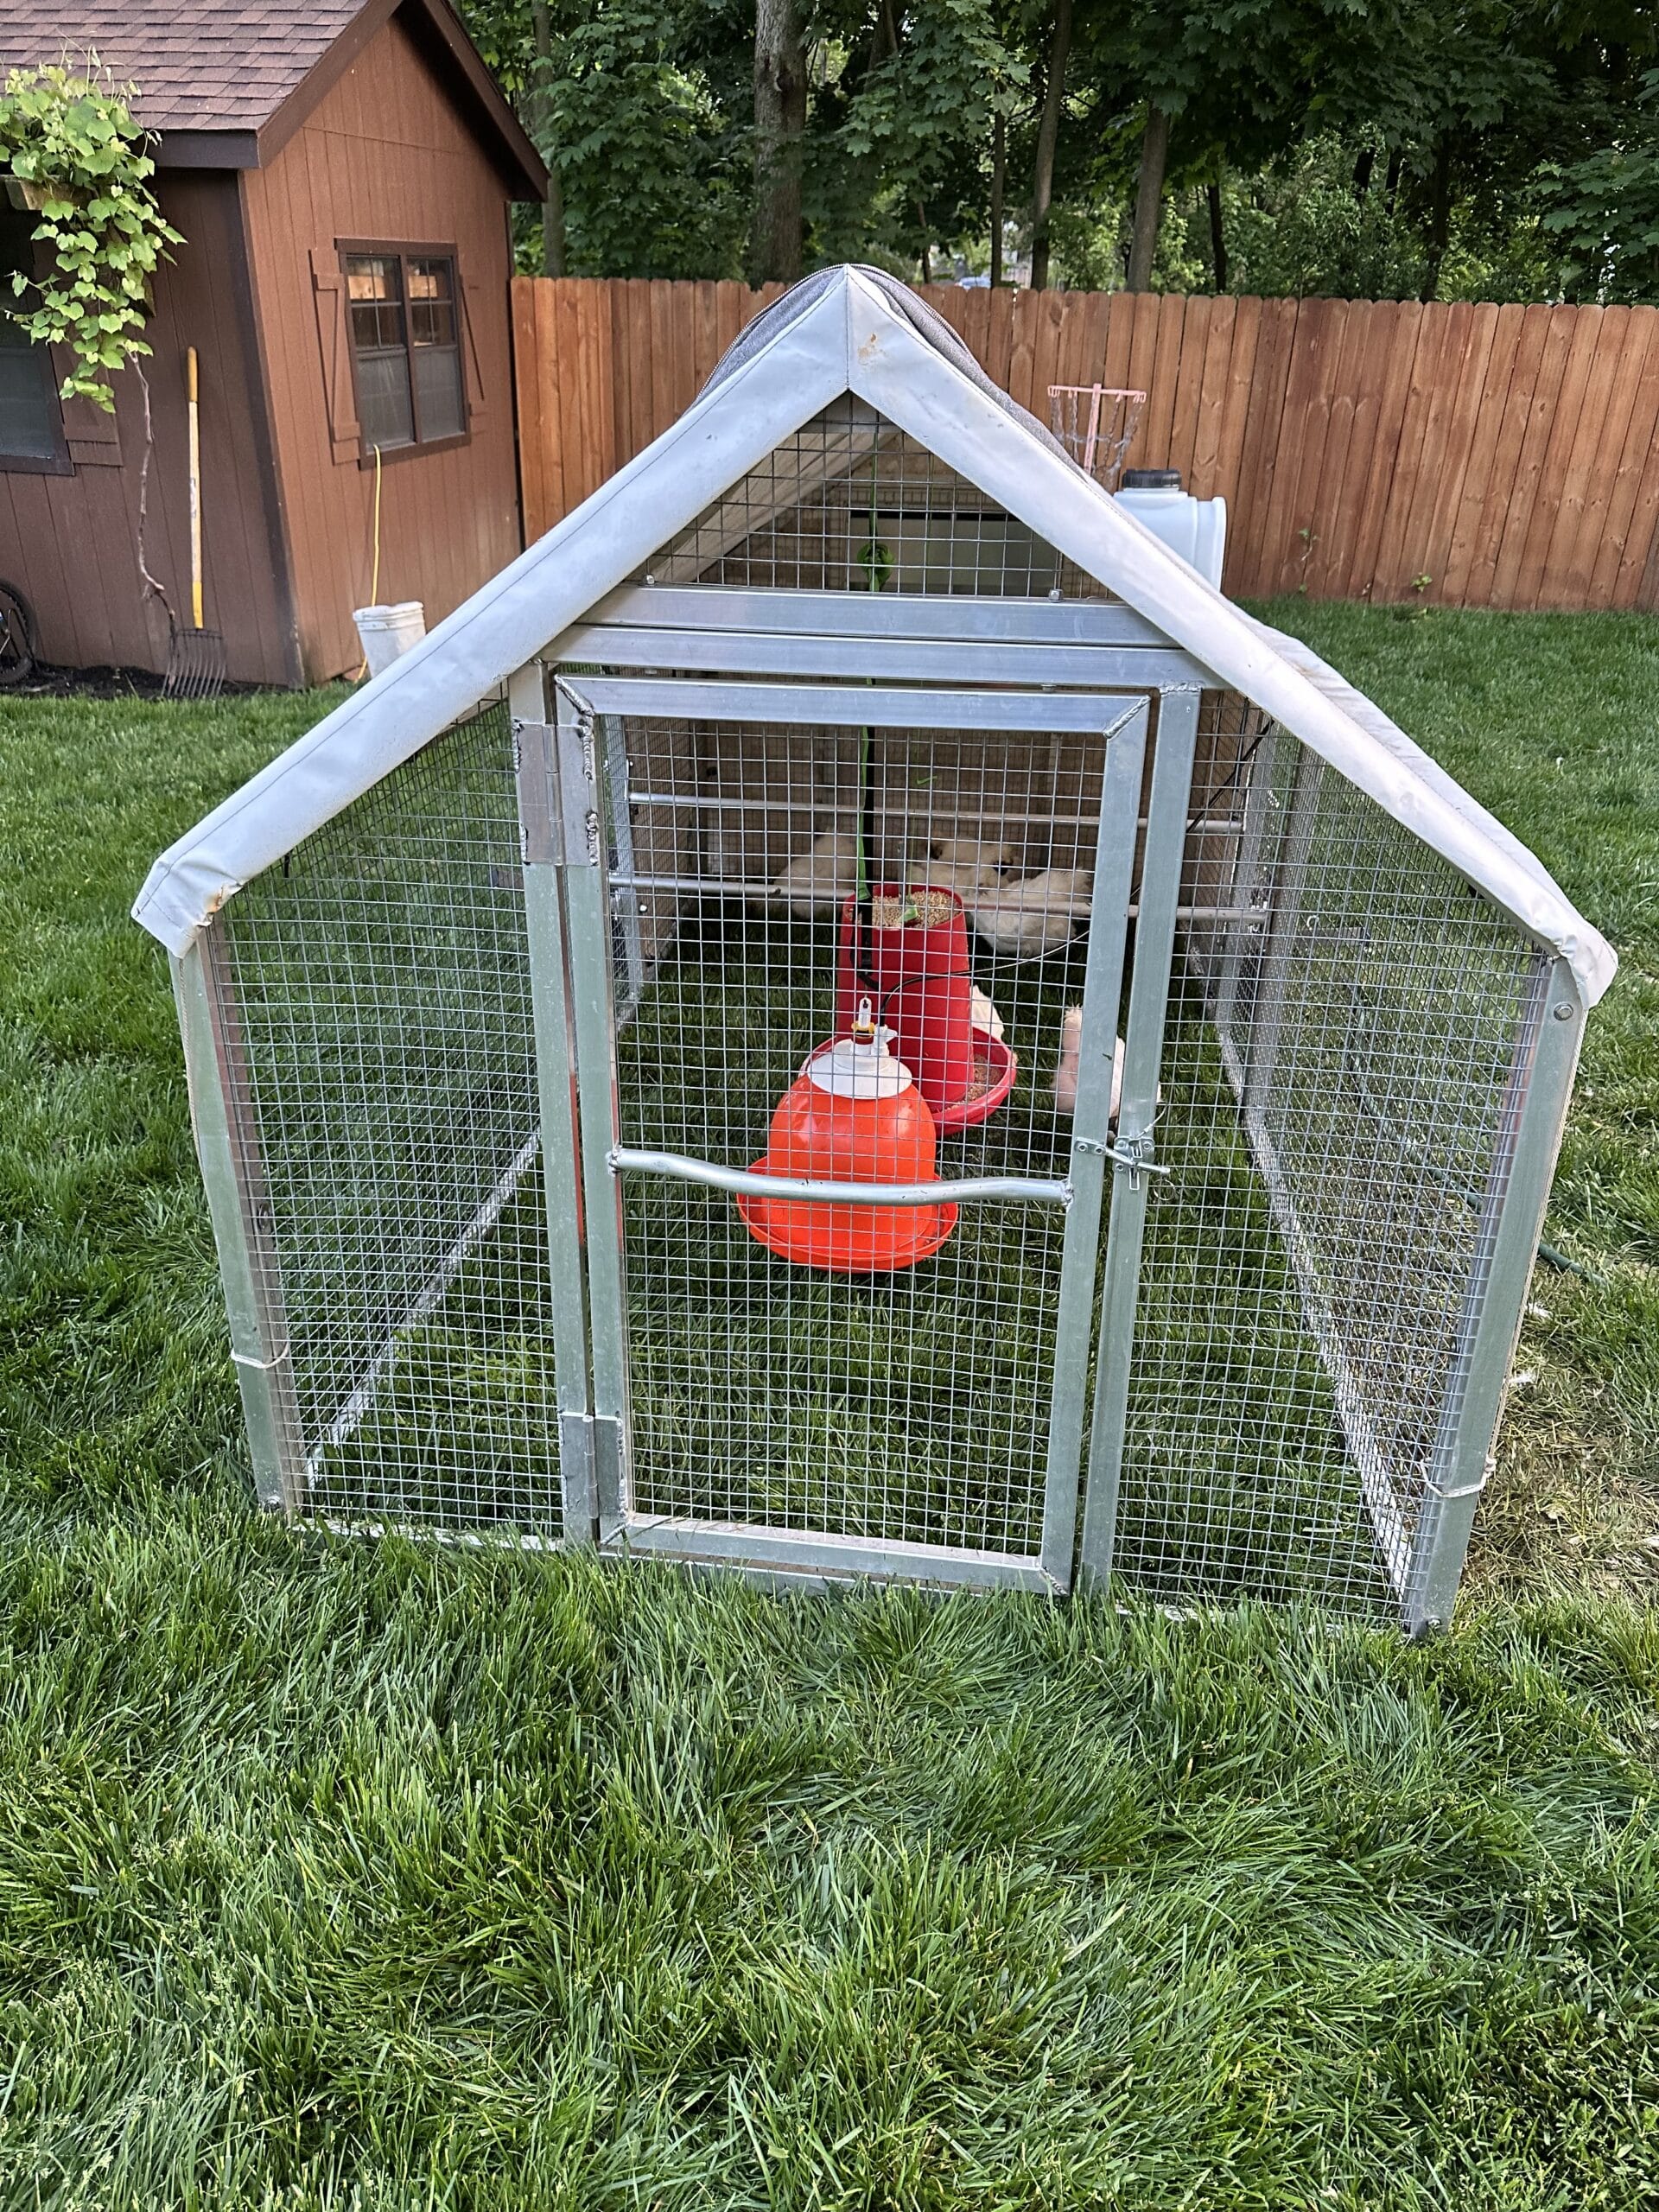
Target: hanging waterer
column 854, row 1115
column 908, row 951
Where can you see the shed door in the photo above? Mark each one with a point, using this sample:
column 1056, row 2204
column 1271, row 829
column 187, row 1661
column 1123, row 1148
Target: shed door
column 862, row 1386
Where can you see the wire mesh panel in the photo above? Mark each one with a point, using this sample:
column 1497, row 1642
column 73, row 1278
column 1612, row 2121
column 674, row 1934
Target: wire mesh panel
column 909, row 1405
column 850, row 503
column 1340, row 1057
column 377, row 988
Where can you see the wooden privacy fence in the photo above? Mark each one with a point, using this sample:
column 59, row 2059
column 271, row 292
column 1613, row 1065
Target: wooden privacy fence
column 1468, row 456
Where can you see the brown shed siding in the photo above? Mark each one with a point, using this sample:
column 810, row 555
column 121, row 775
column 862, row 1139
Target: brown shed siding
column 71, row 542
column 384, row 155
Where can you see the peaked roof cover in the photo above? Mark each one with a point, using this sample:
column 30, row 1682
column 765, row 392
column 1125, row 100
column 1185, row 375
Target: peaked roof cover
column 845, row 329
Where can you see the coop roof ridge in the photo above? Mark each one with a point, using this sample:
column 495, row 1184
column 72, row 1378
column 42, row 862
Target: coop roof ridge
column 847, row 329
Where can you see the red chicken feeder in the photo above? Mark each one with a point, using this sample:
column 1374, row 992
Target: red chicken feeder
column 916, row 975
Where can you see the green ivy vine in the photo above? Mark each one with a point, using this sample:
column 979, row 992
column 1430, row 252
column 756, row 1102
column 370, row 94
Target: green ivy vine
column 70, row 141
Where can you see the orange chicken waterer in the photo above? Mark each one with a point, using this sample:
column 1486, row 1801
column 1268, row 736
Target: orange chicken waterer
column 853, row 1114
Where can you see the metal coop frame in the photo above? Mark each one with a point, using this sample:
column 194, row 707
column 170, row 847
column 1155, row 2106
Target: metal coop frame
column 490, row 986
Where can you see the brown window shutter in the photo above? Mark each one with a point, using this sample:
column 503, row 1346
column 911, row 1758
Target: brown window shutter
column 93, row 437
column 328, row 295
column 476, row 402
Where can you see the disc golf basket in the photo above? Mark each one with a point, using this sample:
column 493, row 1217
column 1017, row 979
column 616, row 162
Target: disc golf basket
column 847, row 817
column 1096, row 425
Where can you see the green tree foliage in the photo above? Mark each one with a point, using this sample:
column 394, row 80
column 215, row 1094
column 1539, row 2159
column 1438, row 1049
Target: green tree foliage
column 643, row 109
column 1602, row 211
column 1499, row 148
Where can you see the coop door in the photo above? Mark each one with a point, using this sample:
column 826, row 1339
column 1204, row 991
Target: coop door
column 842, row 1286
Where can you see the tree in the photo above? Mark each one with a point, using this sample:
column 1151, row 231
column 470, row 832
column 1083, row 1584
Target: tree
column 539, row 105
column 1148, row 197
column 1042, row 183
column 775, row 237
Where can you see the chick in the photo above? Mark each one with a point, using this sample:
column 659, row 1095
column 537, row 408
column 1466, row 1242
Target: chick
column 818, row 880
column 1037, row 914
column 966, row 866
column 1065, row 1070
column 985, row 1017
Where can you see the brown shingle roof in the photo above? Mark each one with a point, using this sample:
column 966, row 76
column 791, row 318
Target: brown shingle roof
column 200, row 64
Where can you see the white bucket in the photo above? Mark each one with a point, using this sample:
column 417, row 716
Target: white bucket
column 387, row 632
column 1196, row 528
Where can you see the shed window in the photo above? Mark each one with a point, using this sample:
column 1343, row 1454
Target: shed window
column 31, row 422
column 405, row 346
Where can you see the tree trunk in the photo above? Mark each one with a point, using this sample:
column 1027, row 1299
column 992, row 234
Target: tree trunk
column 779, row 127
column 1391, row 180
column 1048, row 131
column 541, row 107
column 925, row 256
column 1148, row 199
column 1364, row 164
column 999, row 180
column 1218, row 236
column 1439, row 219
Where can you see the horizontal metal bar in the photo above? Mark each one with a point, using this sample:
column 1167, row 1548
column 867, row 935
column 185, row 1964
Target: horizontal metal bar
column 921, row 660
column 742, row 1182
column 755, row 888
column 802, row 1551
column 828, row 803
column 880, row 615
column 852, row 706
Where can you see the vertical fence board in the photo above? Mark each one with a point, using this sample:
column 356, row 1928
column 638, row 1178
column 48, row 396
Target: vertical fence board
column 1565, row 571
column 1510, row 586
column 1375, row 493
column 1509, row 454
column 1636, row 444
column 1491, row 398
column 1275, row 338
column 1556, row 447
column 1328, row 548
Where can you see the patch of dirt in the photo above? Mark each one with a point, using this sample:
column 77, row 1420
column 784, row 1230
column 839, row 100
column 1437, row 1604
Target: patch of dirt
column 46, row 682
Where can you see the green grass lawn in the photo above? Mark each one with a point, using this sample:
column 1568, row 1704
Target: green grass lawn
column 340, row 1875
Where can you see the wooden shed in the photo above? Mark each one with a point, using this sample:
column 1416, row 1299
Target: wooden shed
column 343, row 173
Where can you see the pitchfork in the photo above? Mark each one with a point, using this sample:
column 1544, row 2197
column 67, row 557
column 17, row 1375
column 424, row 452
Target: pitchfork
column 196, row 657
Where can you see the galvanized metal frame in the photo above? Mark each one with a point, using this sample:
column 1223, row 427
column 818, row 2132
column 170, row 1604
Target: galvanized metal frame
column 1512, row 1218
column 1163, row 850
column 1092, row 1143
column 848, row 706
column 777, row 610
column 584, row 708
column 543, row 834
column 593, row 1029
column 918, row 660
column 227, row 1148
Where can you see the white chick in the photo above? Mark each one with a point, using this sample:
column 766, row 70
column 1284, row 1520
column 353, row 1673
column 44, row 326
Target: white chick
column 1066, row 1071
column 818, row 880
column 1037, row 914
column 985, row 1017
column 965, row 865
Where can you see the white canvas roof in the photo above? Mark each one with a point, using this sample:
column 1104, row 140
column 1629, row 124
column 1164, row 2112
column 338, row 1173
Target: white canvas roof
column 845, row 330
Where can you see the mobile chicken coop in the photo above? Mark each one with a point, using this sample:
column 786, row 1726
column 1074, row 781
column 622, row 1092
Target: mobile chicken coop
column 850, row 1015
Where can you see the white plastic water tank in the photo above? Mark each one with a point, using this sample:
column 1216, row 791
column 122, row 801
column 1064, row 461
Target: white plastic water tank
column 1196, row 528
